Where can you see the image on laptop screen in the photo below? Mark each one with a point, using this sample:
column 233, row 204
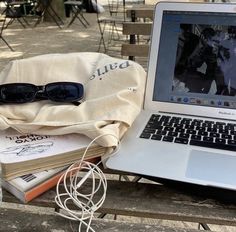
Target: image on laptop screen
column 197, row 59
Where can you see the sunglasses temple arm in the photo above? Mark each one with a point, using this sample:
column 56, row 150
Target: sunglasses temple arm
column 76, row 103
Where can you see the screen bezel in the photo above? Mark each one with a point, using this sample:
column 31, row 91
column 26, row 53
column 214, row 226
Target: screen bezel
column 213, row 112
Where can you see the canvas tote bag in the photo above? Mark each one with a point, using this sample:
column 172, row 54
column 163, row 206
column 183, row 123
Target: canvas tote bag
column 114, row 90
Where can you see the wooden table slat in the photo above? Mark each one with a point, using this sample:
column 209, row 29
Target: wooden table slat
column 16, row 220
column 140, row 50
column 152, row 201
column 145, row 11
column 137, row 28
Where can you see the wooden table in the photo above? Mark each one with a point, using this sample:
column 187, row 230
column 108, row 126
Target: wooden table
column 52, row 10
column 128, row 198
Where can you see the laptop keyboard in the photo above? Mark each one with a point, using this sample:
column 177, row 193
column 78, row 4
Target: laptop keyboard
column 197, row 132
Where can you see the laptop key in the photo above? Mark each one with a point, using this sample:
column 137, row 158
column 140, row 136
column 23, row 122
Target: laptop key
column 156, row 137
column 165, row 118
column 232, row 142
column 216, row 135
column 222, row 141
column 155, row 117
column 230, row 147
column 167, row 128
column 173, row 134
column 157, row 127
column 189, row 127
column 149, row 131
column 196, row 137
column 203, row 133
column 233, row 132
column 211, row 130
column 209, row 122
column 193, row 132
column 196, row 122
column 218, row 126
column 180, row 130
column 223, row 131
column 200, row 128
column 207, row 139
column 150, row 126
column 175, row 120
column 168, row 124
column 220, row 123
column 154, row 123
column 230, row 126
column 181, row 140
column 168, row 139
column 227, row 128
column 145, row 135
column 184, row 136
column 226, row 136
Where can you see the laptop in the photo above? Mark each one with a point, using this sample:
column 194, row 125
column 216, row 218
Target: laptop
column 187, row 129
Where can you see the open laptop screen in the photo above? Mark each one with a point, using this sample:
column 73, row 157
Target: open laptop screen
column 197, row 59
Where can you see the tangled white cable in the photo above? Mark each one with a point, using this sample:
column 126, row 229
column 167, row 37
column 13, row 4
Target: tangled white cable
column 84, row 202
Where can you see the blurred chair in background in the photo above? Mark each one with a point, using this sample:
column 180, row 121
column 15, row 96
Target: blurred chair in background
column 45, row 7
column 76, row 8
column 2, row 27
column 13, row 11
column 110, row 25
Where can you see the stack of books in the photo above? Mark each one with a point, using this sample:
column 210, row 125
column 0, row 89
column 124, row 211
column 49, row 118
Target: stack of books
column 32, row 164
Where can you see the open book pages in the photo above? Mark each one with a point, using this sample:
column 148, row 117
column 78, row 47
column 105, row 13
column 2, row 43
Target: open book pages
column 24, row 154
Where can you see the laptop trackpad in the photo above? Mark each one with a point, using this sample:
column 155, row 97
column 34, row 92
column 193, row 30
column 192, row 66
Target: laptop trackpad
column 209, row 166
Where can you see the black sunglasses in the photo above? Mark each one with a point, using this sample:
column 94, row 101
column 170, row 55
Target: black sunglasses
column 56, row 91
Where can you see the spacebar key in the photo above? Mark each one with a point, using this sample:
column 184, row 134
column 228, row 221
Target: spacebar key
column 213, row 145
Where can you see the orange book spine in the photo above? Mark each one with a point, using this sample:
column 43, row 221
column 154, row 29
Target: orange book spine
column 43, row 187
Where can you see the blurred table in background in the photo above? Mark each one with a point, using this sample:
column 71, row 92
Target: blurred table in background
column 51, row 10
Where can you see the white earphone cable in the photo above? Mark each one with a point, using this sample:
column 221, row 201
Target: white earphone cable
column 72, row 191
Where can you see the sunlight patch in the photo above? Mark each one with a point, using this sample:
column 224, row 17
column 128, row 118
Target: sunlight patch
column 68, row 30
column 83, row 35
column 10, row 54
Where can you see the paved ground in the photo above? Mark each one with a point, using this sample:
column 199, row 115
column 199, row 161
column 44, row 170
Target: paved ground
column 49, row 38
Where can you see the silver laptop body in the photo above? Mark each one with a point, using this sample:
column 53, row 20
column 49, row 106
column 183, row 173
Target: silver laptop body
column 191, row 83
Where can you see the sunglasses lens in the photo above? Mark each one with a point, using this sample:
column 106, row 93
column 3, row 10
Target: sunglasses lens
column 17, row 93
column 64, row 91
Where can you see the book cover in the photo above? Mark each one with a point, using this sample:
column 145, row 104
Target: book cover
column 29, row 186
column 24, row 154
